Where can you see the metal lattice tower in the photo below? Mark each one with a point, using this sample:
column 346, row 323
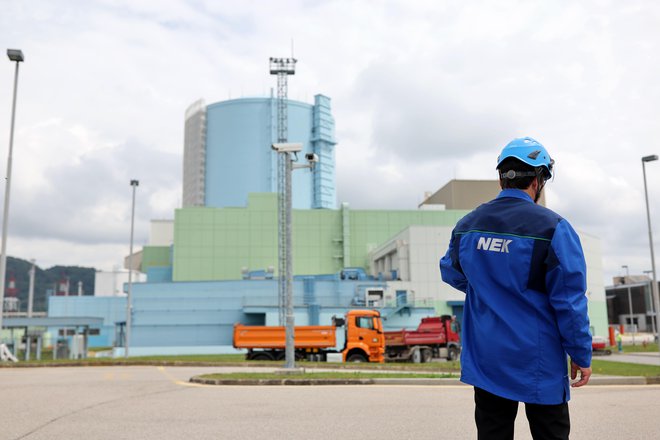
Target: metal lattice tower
column 282, row 67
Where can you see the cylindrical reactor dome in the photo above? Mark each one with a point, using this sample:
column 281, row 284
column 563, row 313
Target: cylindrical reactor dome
column 238, row 155
column 232, row 145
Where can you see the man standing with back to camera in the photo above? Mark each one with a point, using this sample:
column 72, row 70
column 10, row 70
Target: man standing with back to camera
column 522, row 269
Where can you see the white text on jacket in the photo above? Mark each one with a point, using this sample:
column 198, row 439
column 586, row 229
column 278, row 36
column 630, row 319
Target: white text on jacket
column 493, row 244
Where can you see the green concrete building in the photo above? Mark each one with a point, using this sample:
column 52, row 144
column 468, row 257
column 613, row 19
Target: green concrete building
column 223, row 244
column 213, row 244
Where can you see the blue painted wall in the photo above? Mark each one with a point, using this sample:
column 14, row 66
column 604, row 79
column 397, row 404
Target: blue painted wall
column 111, row 308
column 239, row 158
column 198, row 317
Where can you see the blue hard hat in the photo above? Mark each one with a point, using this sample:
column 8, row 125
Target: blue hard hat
column 529, row 151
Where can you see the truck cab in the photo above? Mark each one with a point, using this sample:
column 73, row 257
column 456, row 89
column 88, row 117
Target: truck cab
column 365, row 341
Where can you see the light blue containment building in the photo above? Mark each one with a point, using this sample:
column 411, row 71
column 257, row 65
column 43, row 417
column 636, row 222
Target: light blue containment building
column 227, row 152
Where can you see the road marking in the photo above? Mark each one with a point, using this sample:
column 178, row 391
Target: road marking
column 176, row 381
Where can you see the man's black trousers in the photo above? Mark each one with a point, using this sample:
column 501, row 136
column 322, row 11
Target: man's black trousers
column 495, row 417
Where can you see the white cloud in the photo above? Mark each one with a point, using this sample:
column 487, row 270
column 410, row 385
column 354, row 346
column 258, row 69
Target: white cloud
column 422, row 92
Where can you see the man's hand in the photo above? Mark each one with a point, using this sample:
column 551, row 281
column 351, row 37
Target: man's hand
column 585, row 374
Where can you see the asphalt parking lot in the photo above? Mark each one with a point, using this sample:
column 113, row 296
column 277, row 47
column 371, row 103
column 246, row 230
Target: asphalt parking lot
column 159, row 402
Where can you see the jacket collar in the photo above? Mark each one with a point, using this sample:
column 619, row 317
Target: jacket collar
column 515, row 193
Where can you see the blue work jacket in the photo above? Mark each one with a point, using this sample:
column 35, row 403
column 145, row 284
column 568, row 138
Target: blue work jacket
column 522, row 269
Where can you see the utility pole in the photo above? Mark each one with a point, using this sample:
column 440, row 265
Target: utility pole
column 653, row 315
column 632, row 327
column 15, row 55
column 129, row 306
column 654, row 286
column 31, row 289
column 285, row 150
column 283, row 67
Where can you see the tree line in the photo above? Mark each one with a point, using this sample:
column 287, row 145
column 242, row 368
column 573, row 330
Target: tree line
column 46, row 281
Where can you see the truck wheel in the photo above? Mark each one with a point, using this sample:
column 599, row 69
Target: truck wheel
column 356, row 357
column 416, row 356
column 261, row 357
column 427, row 355
column 452, row 354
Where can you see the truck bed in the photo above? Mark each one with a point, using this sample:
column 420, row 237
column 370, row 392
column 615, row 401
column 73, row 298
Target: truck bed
column 313, row 336
column 413, row 337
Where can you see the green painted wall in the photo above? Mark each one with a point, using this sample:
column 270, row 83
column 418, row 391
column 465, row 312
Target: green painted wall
column 216, row 243
column 317, row 242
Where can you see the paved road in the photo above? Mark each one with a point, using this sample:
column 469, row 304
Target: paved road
column 158, row 403
column 634, row 358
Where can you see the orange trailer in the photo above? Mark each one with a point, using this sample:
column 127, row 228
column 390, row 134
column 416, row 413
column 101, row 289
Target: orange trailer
column 358, row 337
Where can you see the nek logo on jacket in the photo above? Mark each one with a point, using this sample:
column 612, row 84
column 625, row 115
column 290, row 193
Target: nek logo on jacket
column 493, row 244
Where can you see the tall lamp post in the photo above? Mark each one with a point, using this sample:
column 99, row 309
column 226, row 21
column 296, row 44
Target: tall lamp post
column 129, row 306
column 630, row 308
column 15, row 55
column 654, row 286
column 653, row 321
column 285, row 150
column 32, row 273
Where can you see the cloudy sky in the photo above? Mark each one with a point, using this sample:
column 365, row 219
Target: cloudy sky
column 422, row 92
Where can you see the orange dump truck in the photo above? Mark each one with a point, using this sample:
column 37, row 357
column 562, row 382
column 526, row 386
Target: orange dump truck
column 358, row 337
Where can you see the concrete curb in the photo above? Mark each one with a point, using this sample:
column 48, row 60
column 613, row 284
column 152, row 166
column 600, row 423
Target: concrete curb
column 596, row 381
column 286, row 381
column 621, row 380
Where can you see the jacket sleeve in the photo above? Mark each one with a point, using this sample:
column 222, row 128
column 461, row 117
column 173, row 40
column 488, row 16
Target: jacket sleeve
column 566, row 281
column 450, row 266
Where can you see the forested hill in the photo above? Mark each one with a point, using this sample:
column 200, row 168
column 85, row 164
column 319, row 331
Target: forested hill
column 45, row 281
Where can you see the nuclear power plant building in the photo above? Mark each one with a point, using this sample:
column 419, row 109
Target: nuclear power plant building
column 216, row 263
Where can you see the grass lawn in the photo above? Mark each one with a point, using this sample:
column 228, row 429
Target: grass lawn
column 609, row 368
column 433, row 369
column 639, row 348
column 237, row 359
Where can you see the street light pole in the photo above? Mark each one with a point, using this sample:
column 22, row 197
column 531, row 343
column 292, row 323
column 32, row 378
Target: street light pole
column 653, row 320
column 129, row 306
column 656, row 299
column 285, row 150
column 630, row 308
column 31, row 289
column 15, row 55
column 289, row 352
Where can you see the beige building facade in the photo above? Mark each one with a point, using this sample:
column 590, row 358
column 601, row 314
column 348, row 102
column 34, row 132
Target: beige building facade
column 466, row 194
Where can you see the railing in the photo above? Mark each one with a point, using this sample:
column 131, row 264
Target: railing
column 334, row 301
